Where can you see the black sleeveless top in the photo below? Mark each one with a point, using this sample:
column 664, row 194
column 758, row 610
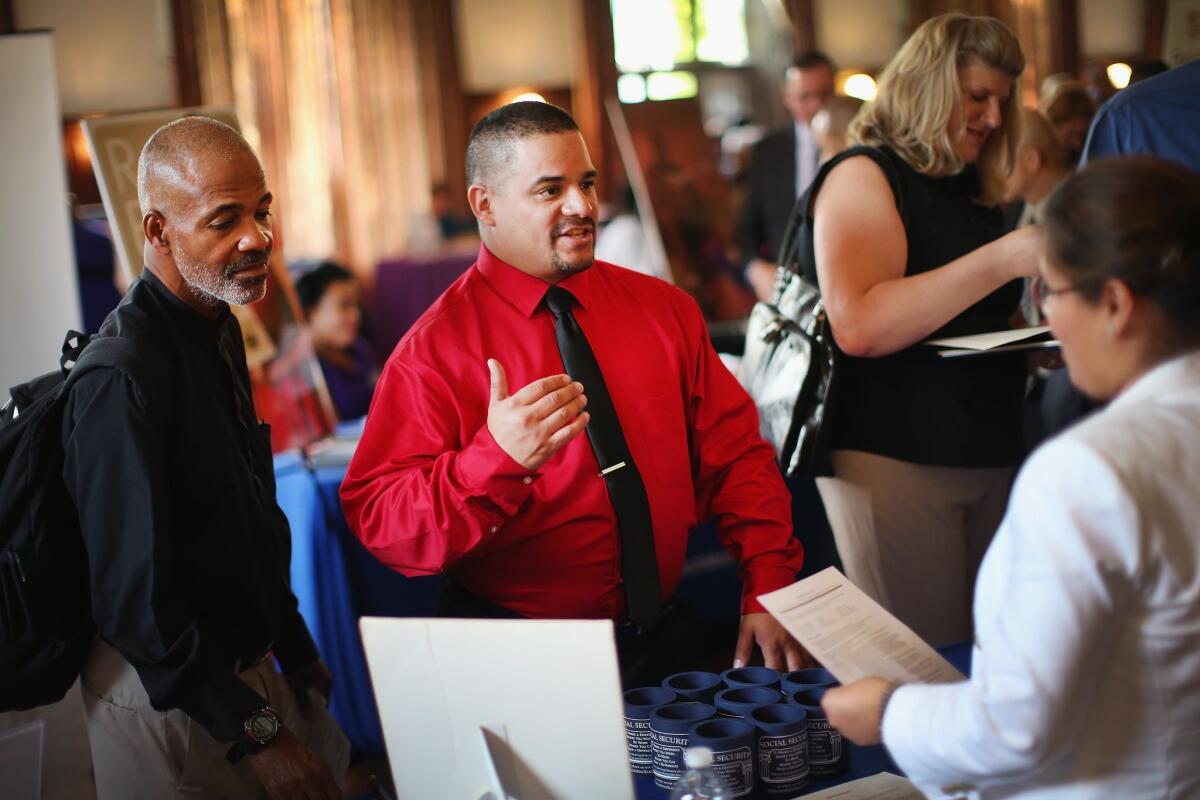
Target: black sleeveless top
column 914, row 405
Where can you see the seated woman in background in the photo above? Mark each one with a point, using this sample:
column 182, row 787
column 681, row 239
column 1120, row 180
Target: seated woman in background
column 1066, row 103
column 1086, row 673
column 331, row 301
column 907, row 244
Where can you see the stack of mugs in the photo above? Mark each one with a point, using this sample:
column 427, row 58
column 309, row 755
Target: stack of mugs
column 767, row 731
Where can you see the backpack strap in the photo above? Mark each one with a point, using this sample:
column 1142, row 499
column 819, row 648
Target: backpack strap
column 73, row 345
column 120, row 353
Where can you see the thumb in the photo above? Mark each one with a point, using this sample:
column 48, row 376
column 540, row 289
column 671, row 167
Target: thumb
column 499, row 380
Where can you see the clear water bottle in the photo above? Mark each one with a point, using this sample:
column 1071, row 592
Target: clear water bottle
column 700, row 782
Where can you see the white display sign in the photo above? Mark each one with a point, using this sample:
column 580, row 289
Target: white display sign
column 40, row 297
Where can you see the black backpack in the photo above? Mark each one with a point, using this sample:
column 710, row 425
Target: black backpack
column 46, row 626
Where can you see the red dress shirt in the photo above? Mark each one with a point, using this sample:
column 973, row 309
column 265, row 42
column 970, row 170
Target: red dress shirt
column 430, row 490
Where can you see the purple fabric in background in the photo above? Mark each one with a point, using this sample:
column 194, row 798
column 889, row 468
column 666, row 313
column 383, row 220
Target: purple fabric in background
column 404, row 288
column 351, row 388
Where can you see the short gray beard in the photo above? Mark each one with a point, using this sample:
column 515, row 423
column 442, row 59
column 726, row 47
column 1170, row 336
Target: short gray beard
column 214, row 290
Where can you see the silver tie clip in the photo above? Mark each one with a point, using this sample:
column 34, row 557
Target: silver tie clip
column 613, row 468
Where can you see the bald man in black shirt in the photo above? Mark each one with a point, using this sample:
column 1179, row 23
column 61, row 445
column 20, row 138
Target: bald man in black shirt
column 189, row 553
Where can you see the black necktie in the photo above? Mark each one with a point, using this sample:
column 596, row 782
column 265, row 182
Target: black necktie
column 639, row 565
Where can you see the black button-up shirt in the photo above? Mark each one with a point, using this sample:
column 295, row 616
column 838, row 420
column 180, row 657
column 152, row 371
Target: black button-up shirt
column 172, row 475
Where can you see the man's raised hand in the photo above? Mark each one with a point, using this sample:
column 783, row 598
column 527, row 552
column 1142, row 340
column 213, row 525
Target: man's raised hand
column 534, row 423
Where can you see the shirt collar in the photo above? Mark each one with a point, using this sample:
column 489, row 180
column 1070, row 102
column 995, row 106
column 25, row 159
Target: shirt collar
column 1180, row 372
column 525, row 292
column 187, row 318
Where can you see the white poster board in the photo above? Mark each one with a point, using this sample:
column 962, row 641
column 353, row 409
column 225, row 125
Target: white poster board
column 469, row 706
column 40, row 296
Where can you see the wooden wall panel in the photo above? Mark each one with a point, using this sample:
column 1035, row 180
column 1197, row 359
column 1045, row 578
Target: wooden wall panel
column 1156, row 21
column 446, row 123
column 595, row 82
column 804, row 27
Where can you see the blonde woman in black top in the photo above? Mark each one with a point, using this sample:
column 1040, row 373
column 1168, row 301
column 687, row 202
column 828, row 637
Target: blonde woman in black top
column 907, row 244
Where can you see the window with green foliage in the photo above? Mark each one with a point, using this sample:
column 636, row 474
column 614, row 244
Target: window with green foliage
column 657, row 41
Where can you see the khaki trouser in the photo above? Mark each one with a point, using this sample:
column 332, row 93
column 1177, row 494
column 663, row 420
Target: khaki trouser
column 138, row 752
column 912, row 536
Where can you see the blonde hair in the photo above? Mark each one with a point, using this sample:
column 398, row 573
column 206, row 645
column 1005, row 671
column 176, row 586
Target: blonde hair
column 919, row 91
column 1039, row 134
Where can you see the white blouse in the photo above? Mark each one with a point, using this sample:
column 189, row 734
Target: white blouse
column 1086, row 675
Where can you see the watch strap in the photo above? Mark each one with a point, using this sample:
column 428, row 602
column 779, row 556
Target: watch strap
column 246, row 744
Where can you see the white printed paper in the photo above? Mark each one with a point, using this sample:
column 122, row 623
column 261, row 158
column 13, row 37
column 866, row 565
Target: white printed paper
column 884, row 786
column 987, row 341
column 852, row 635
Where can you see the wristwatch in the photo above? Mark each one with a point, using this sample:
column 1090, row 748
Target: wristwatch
column 258, row 731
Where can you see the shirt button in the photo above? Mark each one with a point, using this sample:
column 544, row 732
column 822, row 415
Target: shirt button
column 495, row 528
column 527, row 480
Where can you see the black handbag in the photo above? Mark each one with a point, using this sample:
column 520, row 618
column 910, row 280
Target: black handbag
column 790, row 366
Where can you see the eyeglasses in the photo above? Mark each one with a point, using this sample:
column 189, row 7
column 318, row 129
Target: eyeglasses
column 1042, row 293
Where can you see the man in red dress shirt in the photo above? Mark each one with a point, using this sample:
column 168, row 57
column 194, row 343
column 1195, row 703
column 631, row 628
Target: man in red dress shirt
column 475, row 460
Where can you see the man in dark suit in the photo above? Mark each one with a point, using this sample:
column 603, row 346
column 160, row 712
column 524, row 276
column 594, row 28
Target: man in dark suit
column 782, row 166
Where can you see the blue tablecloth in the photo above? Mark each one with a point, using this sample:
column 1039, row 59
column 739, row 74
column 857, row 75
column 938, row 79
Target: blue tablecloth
column 336, row 581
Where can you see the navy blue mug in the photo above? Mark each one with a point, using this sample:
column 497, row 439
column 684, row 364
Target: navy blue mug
column 826, row 755
column 812, row 695
column 740, row 677
column 782, row 749
column 738, row 702
column 696, row 686
column 806, row 679
column 669, row 726
column 732, row 744
column 638, row 705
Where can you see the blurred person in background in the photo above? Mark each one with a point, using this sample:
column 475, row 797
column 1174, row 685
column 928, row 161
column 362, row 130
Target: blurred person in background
column 451, row 223
column 1159, row 116
column 1096, row 83
column 908, row 243
column 830, row 124
column 1085, row 680
column 622, row 239
column 782, row 166
column 1051, row 401
column 332, row 303
column 1037, row 170
column 1070, row 109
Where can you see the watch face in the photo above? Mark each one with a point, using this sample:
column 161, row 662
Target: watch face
column 262, row 727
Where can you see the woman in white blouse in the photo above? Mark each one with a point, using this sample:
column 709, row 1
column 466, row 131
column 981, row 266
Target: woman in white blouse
column 1086, row 673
